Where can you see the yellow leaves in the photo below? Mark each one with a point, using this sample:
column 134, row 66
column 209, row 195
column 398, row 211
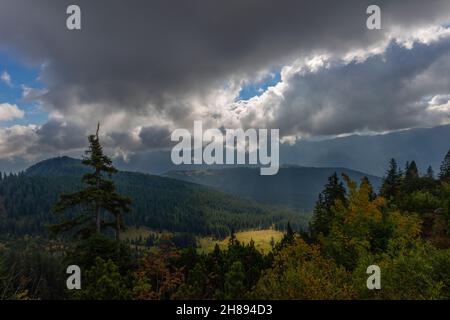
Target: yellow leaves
column 22, row 295
column 301, row 272
column 361, row 210
column 408, row 227
column 365, row 225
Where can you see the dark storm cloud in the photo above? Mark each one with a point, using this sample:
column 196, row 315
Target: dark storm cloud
column 56, row 136
column 130, row 54
column 144, row 67
column 155, row 137
column 151, row 137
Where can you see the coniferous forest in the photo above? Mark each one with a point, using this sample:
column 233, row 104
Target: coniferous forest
column 224, row 159
column 54, row 216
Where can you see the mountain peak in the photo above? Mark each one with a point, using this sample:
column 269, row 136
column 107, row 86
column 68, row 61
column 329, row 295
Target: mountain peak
column 56, row 166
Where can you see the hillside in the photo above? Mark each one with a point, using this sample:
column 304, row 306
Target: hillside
column 158, row 203
column 293, row 186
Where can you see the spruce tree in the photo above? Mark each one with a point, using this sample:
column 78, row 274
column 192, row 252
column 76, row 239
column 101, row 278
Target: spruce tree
column 323, row 212
column 444, row 175
column 411, row 171
column 233, row 240
column 288, row 237
column 411, row 182
column 234, row 287
column 290, row 234
column 430, row 173
column 98, row 198
column 392, row 182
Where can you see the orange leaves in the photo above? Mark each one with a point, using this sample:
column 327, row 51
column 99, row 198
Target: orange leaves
column 158, row 278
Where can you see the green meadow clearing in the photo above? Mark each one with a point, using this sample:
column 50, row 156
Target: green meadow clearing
column 263, row 238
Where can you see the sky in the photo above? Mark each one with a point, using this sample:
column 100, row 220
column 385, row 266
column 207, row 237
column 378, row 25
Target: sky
column 144, row 68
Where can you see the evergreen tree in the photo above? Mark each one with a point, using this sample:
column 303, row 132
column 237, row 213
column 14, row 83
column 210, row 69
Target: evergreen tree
column 289, row 232
column 234, row 282
column 392, row 182
column 103, row 282
column 411, row 171
column 233, row 240
column 97, row 198
column 430, row 173
column 411, row 182
column 323, row 212
column 444, row 175
column 288, row 237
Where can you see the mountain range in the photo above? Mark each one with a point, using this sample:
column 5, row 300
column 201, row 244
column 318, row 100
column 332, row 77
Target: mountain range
column 293, row 186
column 214, row 201
column 159, row 203
column 365, row 153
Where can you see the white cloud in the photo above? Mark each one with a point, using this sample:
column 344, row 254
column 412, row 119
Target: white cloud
column 440, row 104
column 10, row 111
column 382, row 90
column 32, row 94
column 15, row 141
column 5, row 77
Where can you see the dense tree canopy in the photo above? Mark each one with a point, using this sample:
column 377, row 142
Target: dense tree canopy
column 404, row 230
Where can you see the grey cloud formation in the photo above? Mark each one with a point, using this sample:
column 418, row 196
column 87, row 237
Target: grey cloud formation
column 385, row 92
column 144, row 67
column 138, row 53
column 32, row 94
column 55, row 135
column 155, row 137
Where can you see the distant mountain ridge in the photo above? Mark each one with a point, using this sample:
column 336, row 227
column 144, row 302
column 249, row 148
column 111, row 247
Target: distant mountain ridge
column 365, row 153
column 293, row 186
column 371, row 153
column 58, row 166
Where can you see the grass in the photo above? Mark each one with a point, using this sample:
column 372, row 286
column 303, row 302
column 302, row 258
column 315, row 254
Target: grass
column 133, row 233
column 262, row 239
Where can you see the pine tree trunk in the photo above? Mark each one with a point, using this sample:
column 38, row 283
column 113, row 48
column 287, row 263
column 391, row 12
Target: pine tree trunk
column 118, row 228
column 97, row 209
column 97, row 220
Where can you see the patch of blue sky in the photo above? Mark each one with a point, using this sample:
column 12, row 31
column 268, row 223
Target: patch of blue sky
column 255, row 89
column 21, row 74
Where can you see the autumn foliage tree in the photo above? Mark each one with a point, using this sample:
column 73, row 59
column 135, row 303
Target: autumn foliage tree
column 365, row 225
column 158, row 277
column 300, row 271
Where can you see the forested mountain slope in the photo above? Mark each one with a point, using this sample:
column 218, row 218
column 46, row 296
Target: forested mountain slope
column 159, row 203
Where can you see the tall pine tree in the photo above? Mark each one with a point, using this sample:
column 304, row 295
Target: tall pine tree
column 411, row 171
column 392, row 182
column 444, row 175
column 430, row 173
column 411, row 181
column 323, row 212
column 90, row 205
column 288, row 238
